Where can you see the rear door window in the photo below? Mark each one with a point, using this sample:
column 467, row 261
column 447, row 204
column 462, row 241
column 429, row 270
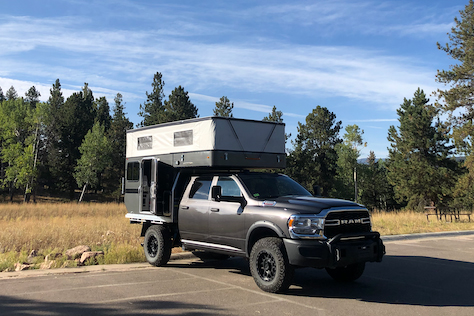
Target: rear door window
column 200, row 189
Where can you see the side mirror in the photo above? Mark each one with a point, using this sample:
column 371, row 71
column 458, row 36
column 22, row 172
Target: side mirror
column 216, row 193
column 316, row 190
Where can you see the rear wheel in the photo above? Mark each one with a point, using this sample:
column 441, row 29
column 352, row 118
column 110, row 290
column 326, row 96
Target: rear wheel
column 157, row 245
column 269, row 265
column 348, row 273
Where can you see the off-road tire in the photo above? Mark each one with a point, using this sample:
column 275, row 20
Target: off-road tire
column 157, row 245
column 348, row 273
column 269, row 265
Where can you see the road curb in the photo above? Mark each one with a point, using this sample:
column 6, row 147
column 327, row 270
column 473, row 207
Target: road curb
column 90, row 269
column 427, row 235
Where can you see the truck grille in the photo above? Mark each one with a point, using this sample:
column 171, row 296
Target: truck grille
column 346, row 222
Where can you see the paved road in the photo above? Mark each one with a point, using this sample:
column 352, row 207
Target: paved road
column 433, row 276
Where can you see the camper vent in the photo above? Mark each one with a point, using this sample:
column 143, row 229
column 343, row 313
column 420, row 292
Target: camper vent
column 145, row 142
column 183, row 138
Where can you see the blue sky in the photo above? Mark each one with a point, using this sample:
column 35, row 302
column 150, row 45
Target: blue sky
column 357, row 58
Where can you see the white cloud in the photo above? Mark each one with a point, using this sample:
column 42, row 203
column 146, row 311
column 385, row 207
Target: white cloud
column 22, row 87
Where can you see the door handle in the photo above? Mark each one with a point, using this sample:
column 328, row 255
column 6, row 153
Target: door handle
column 184, row 207
column 214, row 210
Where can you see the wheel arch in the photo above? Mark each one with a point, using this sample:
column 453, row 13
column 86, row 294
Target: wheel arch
column 259, row 230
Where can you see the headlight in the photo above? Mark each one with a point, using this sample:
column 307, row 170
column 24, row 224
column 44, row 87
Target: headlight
column 305, row 226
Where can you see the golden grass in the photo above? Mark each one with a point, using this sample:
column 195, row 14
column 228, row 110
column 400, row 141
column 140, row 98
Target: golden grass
column 409, row 222
column 64, row 225
column 56, row 227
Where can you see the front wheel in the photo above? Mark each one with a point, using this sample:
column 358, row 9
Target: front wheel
column 157, row 245
column 348, row 273
column 269, row 265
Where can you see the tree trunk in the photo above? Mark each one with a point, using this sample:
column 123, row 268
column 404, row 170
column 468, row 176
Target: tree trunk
column 26, row 197
column 83, row 190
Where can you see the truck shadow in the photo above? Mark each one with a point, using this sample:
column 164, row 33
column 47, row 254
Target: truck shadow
column 405, row 280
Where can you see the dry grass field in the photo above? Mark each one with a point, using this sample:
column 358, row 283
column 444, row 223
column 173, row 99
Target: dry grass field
column 56, row 227
column 408, row 222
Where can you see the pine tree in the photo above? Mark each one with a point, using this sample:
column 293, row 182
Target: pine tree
column 32, row 96
column 152, row 109
column 52, row 131
column 72, row 120
column 274, row 116
column 374, row 190
column 117, row 137
column 224, row 107
column 457, row 99
column 178, row 107
column 11, row 94
column 313, row 160
column 419, row 167
column 2, row 97
column 102, row 110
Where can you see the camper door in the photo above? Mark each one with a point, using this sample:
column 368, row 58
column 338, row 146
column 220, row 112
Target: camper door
column 140, row 185
column 148, row 186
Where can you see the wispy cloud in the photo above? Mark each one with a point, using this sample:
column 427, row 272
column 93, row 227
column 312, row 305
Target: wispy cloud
column 125, row 59
column 365, row 17
column 268, row 67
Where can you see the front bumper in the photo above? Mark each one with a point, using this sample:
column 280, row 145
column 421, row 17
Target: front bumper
column 339, row 251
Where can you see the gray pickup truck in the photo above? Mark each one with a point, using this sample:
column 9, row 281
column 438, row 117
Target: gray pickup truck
column 267, row 218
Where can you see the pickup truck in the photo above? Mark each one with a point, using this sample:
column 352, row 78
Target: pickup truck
column 190, row 184
column 269, row 219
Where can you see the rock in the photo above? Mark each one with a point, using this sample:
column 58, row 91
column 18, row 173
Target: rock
column 21, row 266
column 47, row 264
column 53, row 256
column 76, row 252
column 31, row 257
column 90, row 255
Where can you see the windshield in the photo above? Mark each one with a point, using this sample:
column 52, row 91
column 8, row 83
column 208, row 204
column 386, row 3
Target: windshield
column 264, row 185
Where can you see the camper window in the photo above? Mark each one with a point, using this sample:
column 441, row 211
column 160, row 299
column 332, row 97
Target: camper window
column 133, row 171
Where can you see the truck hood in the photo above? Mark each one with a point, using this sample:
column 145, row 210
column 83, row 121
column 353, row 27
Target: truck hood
column 309, row 204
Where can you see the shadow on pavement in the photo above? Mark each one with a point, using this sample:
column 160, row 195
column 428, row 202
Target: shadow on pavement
column 407, row 280
column 16, row 306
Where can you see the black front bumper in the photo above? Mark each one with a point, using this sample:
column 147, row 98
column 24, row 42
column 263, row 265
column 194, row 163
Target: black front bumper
column 339, row 251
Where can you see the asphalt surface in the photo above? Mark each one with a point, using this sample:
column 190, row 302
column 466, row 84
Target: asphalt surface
column 428, row 274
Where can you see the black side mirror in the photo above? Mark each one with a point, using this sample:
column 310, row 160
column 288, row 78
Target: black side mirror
column 216, row 193
column 316, row 190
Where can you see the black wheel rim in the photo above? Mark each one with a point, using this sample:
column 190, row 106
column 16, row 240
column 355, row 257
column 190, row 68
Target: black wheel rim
column 266, row 266
column 152, row 246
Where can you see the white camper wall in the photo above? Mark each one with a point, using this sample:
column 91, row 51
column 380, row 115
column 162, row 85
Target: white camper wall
column 212, row 133
column 163, row 138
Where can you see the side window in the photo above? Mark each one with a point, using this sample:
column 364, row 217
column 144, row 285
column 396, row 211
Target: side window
column 229, row 187
column 133, row 171
column 200, row 189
